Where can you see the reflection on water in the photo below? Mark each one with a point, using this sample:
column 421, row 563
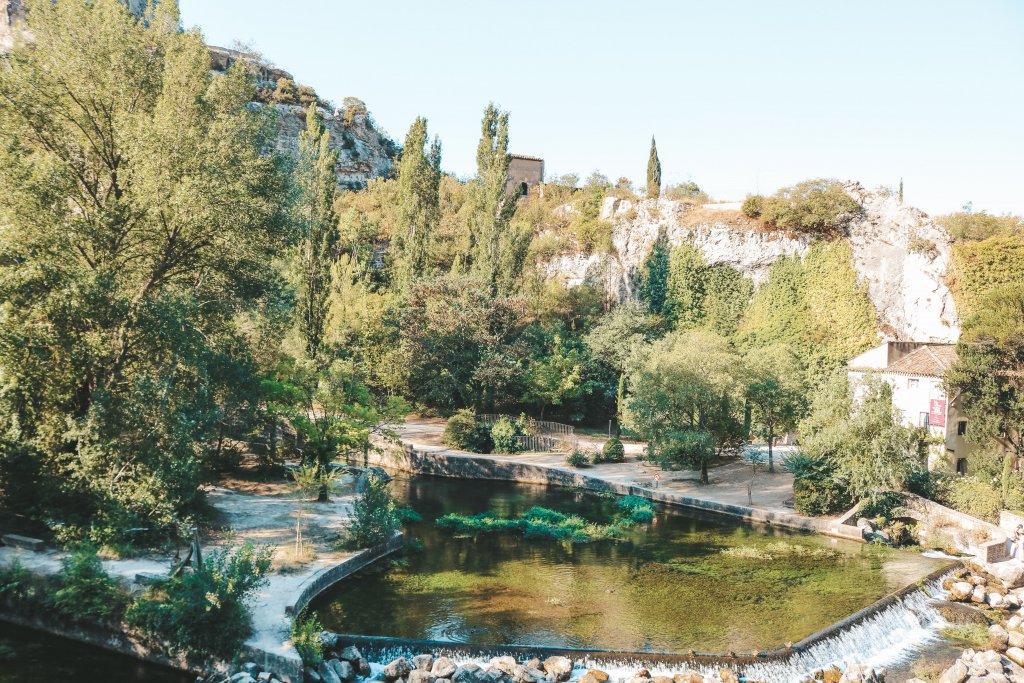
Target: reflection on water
column 686, row 582
column 28, row 656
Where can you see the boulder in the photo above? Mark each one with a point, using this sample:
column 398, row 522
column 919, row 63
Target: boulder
column 998, row 637
column 534, row 664
column 1015, row 655
column 1015, row 639
column 978, row 595
column 1012, row 600
column 420, row 676
column 327, row 674
column 252, row 668
column 363, row 667
column 954, row 674
column 398, row 668
column 312, row 676
column 688, row 677
column 265, row 677
column 990, row 661
column 642, row 673
column 638, row 679
column 597, row 675
column 443, row 667
column 559, row 667
column 504, row 664
column 350, row 654
column 995, row 600
column 957, row 613
column 468, row 673
column 1014, row 622
column 1011, row 573
column 730, row 676
column 423, row 662
column 521, row 675
column 346, row 672
column 830, row 675
column 961, row 591
column 662, row 679
column 242, row 677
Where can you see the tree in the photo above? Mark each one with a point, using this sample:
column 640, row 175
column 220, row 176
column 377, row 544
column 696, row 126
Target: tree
column 813, row 206
column 142, row 210
column 653, row 288
column 899, row 195
column 776, row 393
column 653, row 172
column 988, row 374
column 688, row 399
column 492, row 206
column 314, row 214
column 554, row 376
column 419, row 181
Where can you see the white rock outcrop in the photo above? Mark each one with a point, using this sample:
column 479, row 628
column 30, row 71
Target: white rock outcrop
column 900, row 254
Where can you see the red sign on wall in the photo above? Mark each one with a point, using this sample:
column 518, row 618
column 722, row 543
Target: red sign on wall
column 937, row 412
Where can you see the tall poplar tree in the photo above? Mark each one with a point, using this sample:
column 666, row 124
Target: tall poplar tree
column 653, row 172
column 314, row 215
column 419, row 181
column 492, row 205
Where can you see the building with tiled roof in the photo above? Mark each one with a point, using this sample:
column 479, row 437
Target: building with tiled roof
column 915, row 370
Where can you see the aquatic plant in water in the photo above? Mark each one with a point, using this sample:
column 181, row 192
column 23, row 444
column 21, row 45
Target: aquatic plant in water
column 540, row 522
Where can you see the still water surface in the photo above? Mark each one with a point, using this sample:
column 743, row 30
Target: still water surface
column 685, row 582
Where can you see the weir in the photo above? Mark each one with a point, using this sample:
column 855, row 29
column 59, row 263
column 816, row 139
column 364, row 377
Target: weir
column 879, row 636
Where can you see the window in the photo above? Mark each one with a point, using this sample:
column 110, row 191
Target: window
column 912, row 383
column 961, row 428
column 961, row 465
column 922, row 419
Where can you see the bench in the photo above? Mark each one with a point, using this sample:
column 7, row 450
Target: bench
column 25, row 542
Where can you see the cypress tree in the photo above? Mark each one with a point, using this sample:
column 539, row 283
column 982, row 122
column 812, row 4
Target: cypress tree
column 419, row 181
column 653, row 172
column 314, row 214
column 901, row 191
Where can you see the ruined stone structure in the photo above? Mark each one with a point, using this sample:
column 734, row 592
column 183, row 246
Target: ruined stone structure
column 525, row 173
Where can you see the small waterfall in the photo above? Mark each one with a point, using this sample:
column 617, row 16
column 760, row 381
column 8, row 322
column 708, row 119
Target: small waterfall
column 881, row 639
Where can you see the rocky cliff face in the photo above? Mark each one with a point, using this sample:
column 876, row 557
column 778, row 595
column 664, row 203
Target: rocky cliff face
column 901, row 256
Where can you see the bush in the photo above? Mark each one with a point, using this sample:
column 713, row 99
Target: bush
column 814, row 206
column 687, row 192
column 925, row 247
column 307, row 641
column 84, row 592
column 465, row 433
column 377, row 514
column 20, row 588
column 204, row 612
column 577, row 458
column 971, row 496
column 612, row 451
column 819, row 497
column 504, row 432
column 753, row 205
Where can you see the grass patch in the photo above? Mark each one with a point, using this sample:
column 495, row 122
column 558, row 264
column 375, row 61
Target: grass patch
column 974, row 635
column 779, row 550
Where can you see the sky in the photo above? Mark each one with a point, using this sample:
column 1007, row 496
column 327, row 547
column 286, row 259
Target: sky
column 743, row 96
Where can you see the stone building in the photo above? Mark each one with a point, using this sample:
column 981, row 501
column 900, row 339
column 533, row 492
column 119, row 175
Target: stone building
column 524, row 173
column 915, row 370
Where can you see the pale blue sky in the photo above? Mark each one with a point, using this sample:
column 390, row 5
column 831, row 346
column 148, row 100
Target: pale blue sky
column 743, row 95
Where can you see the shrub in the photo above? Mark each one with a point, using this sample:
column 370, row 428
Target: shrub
column 376, row 514
column 753, row 205
column 688, row 191
column 84, row 592
column 307, row 640
column 971, row 496
column 19, row 587
column 465, row 433
column 925, row 247
column 577, row 458
column 204, row 612
column 819, row 497
column 813, row 206
column 612, row 451
column 504, row 432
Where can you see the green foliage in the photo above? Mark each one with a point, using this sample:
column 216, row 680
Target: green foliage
column 554, row 376
column 921, row 245
column 969, row 226
column 464, row 432
column 419, row 184
column 980, row 268
column 687, row 192
column 577, row 458
column 814, row 206
column 776, row 392
column 753, row 205
column 971, row 495
column 204, row 612
column 306, row 638
column 544, row 523
column 698, row 295
column 20, row 588
column 654, row 276
column 316, row 186
column 688, row 399
column 815, row 306
column 653, row 172
column 142, row 212
column 83, row 592
column 613, row 451
column 817, row 497
column 504, row 433
column 376, row 514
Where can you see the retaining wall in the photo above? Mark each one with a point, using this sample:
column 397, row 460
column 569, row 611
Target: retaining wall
column 406, row 458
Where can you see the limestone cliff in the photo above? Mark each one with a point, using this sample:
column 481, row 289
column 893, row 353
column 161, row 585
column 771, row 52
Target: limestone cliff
column 901, row 255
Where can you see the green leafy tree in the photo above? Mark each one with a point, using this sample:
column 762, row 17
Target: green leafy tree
column 776, row 393
column 815, row 206
column 492, row 206
column 653, row 172
column 653, row 288
column 555, row 376
column 989, row 375
column 314, row 214
column 141, row 212
column 419, row 181
column 688, row 399
column 699, row 295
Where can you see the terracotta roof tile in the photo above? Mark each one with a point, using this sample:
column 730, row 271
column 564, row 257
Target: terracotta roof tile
column 927, row 361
